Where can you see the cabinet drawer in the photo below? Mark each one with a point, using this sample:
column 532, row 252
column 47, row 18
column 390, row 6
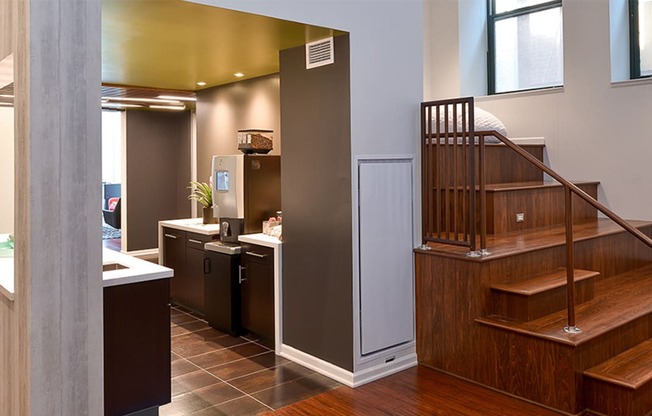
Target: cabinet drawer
column 197, row 241
column 172, row 234
column 258, row 254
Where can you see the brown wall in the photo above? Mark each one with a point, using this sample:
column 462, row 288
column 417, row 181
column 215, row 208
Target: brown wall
column 223, row 110
column 158, row 172
column 316, row 197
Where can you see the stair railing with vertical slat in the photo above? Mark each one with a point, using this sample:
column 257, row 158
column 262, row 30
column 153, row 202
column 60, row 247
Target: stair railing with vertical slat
column 448, row 172
column 436, row 174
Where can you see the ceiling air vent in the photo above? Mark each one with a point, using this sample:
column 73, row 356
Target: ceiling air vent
column 319, row 53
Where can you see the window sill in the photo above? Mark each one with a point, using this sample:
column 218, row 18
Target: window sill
column 631, row 82
column 520, row 94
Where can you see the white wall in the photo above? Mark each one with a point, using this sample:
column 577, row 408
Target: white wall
column 594, row 130
column 6, row 170
column 112, row 124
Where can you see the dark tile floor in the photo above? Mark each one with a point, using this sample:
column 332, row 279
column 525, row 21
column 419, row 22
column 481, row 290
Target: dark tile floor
column 214, row 373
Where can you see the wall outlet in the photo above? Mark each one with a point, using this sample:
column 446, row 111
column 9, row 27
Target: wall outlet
column 520, row 217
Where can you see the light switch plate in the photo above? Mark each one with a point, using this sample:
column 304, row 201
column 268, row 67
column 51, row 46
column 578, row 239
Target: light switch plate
column 520, row 217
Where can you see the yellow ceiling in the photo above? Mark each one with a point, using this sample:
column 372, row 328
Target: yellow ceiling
column 172, row 44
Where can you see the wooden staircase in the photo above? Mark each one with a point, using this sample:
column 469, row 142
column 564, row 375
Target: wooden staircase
column 498, row 320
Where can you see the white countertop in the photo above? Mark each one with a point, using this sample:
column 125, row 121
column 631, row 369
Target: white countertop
column 261, row 239
column 137, row 270
column 193, row 225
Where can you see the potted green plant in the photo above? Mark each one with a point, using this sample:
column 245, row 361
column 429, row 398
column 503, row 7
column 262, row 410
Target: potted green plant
column 203, row 193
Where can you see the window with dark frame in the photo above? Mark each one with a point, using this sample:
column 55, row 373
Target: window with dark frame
column 525, row 48
column 640, row 38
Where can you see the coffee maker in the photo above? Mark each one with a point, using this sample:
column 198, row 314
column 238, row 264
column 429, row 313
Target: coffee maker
column 246, row 191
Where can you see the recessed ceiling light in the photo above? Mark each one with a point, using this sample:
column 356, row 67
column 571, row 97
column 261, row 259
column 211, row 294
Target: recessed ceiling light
column 120, row 105
column 142, row 100
column 201, row 83
column 177, row 98
column 168, row 107
column 238, row 75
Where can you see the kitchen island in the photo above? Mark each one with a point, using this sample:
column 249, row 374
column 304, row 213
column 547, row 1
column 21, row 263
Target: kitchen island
column 137, row 367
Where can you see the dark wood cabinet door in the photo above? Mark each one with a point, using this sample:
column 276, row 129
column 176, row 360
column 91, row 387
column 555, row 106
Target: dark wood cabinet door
column 174, row 257
column 194, row 279
column 137, row 367
column 257, row 293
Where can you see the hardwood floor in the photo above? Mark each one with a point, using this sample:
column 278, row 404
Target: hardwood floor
column 418, row 391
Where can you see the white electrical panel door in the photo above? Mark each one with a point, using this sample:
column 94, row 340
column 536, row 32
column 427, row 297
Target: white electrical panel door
column 386, row 243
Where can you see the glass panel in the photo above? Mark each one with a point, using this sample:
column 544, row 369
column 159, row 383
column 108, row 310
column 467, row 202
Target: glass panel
column 508, row 5
column 529, row 51
column 645, row 35
column 111, row 146
column 7, row 176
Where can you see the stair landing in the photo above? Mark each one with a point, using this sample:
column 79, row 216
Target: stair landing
column 518, row 242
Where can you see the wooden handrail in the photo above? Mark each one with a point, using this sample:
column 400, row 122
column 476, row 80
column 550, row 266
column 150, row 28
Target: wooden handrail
column 441, row 133
column 569, row 189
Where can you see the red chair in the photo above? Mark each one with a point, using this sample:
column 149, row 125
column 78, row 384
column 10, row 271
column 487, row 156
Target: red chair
column 113, row 202
column 113, row 216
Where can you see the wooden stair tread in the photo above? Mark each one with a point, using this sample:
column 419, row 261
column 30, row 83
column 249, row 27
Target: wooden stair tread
column 543, row 282
column 518, row 186
column 631, row 368
column 518, row 242
column 618, row 300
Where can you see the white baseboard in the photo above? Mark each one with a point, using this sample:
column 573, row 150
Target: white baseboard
column 384, row 369
column 344, row 376
column 317, row 364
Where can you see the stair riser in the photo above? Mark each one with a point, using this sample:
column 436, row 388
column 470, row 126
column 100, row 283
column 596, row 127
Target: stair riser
column 527, row 308
column 503, row 165
column 551, row 373
column 542, row 207
column 614, row 400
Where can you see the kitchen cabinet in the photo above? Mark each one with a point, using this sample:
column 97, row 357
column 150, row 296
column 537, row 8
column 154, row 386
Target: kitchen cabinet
column 183, row 251
column 137, row 367
column 175, row 258
column 222, row 288
column 257, row 292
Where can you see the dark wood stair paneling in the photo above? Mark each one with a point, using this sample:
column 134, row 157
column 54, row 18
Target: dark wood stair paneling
column 534, row 360
column 622, row 385
column 618, row 300
column 503, row 165
column 540, row 295
column 542, row 204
